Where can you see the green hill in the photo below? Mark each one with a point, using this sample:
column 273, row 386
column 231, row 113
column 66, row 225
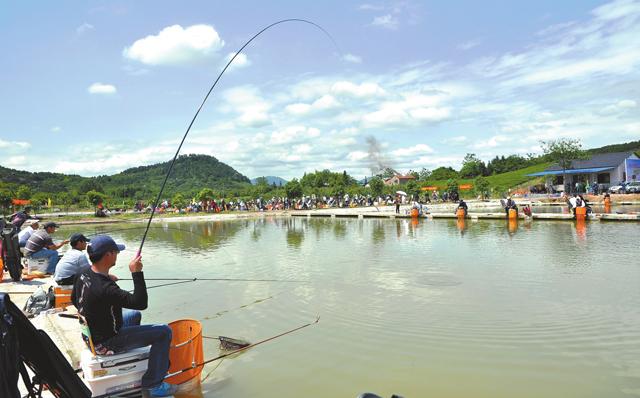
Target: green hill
column 190, row 174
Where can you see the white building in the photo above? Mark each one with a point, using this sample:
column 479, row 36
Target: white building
column 605, row 169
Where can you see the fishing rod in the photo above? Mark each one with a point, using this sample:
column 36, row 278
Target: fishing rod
column 164, row 183
column 216, row 279
column 242, row 349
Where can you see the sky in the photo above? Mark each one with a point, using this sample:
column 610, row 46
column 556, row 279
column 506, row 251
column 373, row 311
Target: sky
column 94, row 88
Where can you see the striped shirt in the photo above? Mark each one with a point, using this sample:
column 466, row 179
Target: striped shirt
column 38, row 241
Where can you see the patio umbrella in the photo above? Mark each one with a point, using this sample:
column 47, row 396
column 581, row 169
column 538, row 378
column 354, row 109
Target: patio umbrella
column 403, row 193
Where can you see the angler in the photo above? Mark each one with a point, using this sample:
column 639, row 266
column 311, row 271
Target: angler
column 100, row 301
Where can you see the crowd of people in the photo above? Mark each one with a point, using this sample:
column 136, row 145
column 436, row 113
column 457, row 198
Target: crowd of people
column 305, row 202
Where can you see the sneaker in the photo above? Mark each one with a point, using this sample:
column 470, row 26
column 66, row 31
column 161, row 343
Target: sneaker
column 163, row 390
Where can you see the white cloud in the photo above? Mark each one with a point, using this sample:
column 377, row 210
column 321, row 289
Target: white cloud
column 357, row 90
column 176, row 45
column 354, row 59
column 387, row 21
column 492, row 142
column 85, row 27
column 56, row 129
column 240, row 61
column 468, row 45
column 100, row 88
column 293, row 134
column 627, row 104
column 14, row 144
column 457, row 140
column 357, row 156
column 249, row 103
column 370, row 7
column 298, row 109
column 412, row 151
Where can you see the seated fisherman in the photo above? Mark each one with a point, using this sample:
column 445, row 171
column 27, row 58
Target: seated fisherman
column 40, row 245
column 24, row 235
column 100, row 301
column 572, row 202
column 510, row 204
column 463, row 205
column 18, row 218
column 73, row 262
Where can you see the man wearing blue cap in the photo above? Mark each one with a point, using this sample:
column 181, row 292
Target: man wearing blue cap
column 100, row 301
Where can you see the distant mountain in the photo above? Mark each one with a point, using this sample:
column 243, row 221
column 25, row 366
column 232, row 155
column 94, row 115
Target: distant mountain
column 190, row 174
column 271, row 180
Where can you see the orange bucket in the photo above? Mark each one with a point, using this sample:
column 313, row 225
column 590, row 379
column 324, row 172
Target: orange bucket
column 513, row 214
column 581, row 211
column 415, row 213
column 63, row 296
column 185, row 351
column 460, row 212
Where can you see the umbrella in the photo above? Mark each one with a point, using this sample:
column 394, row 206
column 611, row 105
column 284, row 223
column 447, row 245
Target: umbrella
column 403, row 193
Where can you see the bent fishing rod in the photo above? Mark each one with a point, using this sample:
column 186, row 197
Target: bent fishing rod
column 195, row 116
column 194, row 366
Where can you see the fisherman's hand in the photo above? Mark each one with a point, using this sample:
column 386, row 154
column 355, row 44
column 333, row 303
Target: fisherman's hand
column 113, row 278
column 136, row 264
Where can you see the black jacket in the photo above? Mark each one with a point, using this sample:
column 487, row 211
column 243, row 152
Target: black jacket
column 100, row 301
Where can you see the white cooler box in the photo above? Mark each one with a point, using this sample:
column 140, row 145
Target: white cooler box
column 111, row 374
column 37, row 264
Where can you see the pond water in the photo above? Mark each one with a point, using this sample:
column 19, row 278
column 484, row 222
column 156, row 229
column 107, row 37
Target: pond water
column 440, row 308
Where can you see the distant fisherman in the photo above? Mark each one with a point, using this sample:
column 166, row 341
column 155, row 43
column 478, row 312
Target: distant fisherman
column 510, row 204
column 463, row 205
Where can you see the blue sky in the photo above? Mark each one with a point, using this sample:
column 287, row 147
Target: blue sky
column 96, row 87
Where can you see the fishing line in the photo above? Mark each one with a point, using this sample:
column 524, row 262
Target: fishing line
column 155, row 205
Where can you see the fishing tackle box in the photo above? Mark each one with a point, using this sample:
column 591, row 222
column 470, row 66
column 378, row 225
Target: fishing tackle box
column 116, row 373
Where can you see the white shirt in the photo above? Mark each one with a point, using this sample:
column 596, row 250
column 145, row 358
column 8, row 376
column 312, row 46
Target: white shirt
column 572, row 201
column 24, row 235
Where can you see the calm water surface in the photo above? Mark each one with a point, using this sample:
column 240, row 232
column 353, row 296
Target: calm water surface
column 434, row 309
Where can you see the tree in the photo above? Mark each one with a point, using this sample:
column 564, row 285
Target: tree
column 23, row 192
column 482, row 187
column 413, row 190
column 5, row 200
column 563, row 151
column 443, row 173
column 293, row 189
column 377, row 186
column 452, row 185
column 95, row 197
column 178, row 201
column 90, row 185
column 206, row 194
column 424, row 174
column 472, row 166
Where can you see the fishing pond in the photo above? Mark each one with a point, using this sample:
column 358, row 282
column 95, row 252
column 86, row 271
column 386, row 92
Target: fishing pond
column 429, row 308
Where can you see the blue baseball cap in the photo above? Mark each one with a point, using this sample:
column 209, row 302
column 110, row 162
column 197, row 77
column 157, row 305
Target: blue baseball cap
column 102, row 244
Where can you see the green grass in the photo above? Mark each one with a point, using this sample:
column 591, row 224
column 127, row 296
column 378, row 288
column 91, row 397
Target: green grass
column 501, row 182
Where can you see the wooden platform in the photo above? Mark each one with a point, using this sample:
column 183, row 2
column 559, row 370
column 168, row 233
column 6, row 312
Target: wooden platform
column 473, row 216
